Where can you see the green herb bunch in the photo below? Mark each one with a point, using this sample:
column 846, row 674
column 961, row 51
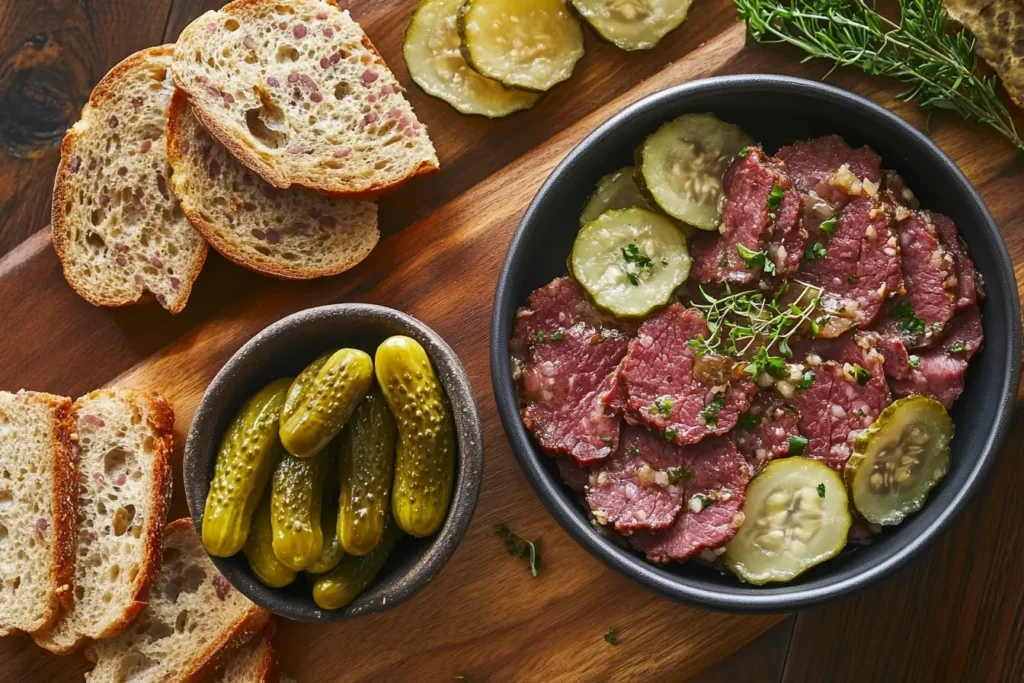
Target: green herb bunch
column 937, row 64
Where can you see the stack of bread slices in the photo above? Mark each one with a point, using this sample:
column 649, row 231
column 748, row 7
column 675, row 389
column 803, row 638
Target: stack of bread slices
column 86, row 559
column 266, row 132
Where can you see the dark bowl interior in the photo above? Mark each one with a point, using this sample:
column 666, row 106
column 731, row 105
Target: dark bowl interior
column 775, row 110
column 283, row 350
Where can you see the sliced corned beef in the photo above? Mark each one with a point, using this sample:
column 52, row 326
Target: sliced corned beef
column 662, row 391
column 764, row 429
column 812, row 405
column 558, row 305
column 858, row 267
column 859, row 395
column 563, row 384
column 641, row 485
column 713, row 498
column 816, row 166
column 939, row 372
column 787, row 236
column 750, row 214
column 900, row 197
column 921, row 315
column 574, row 475
column 967, row 275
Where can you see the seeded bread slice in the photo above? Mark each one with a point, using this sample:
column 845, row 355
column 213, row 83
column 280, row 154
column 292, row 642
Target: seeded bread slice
column 290, row 233
column 119, row 232
column 193, row 624
column 254, row 663
column 124, row 447
column 37, row 510
column 296, row 91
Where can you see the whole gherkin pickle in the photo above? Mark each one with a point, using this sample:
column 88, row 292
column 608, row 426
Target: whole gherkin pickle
column 248, row 452
column 259, row 550
column 366, row 463
column 332, row 551
column 299, row 390
column 425, row 455
column 354, row 573
column 326, row 404
column 296, row 497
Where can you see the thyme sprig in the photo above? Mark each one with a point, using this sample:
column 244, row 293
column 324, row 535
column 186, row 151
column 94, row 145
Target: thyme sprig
column 938, row 66
column 740, row 322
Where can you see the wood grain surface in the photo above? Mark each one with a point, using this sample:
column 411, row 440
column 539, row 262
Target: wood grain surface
column 955, row 614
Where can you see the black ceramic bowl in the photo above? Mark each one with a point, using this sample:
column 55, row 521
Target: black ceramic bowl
column 775, row 110
column 283, row 350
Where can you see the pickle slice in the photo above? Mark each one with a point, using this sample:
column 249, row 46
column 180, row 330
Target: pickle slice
column 433, row 55
column 681, row 165
column 796, row 515
column 614, row 191
column 630, row 261
column 899, row 459
column 633, row 24
column 527, row 44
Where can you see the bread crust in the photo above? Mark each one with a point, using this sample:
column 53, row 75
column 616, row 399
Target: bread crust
column 267, row 171
column 161, row 423
column 59, row 226
column 213, row 234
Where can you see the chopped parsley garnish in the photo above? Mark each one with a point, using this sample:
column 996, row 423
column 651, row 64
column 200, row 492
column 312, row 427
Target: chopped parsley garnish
column 852, row 279
column 519, row 548
column 743, row 152
column 662, row 406
column 723, row 260
column 806, row 380
column 828, row 225
column 957, row 347
column 610, row 636
column 815, row 251
column 677, row 474
column 797, row 444
column 755, row 259
column 632, row 451
column 914, row 360
column 699, row 502
column 670, row 434
column 774, row 201
column 748, row 421
column 557, row 336
column 821, row 490
column 710, row 411
column 764, row 362
column 863, row 375
column 539, row 338
column 908, row 322
column 632, row 255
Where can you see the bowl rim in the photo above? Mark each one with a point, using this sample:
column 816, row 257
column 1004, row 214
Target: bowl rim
column 468, row 468
column 763, row 599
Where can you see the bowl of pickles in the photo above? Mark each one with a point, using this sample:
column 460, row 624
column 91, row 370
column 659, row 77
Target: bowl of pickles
column 334, row 463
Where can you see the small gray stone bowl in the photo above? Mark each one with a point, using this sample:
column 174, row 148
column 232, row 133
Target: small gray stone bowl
column 283, row 350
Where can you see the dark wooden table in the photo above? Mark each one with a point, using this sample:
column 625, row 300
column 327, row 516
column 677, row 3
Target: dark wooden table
column 955, row 614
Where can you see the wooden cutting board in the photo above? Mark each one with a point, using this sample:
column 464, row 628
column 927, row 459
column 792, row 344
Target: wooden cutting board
column 444, row 241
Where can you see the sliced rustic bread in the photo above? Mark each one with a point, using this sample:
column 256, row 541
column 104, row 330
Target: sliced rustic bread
column 289, row 233
column 118, row 230
column 296, row 91
column 192, row 625
column 254, row 663
column 125, row 441
column 37, row 510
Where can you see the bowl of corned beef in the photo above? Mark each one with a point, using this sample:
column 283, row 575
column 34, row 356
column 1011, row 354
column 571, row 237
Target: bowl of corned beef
column 756, row 342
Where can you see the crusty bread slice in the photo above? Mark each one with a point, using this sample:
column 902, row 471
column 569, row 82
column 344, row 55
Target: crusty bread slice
column 290, row 233
column 37, row 510
column 118, row 230
column 194, row 621
column 296, row 91
column 125, row 442
column 254, row 663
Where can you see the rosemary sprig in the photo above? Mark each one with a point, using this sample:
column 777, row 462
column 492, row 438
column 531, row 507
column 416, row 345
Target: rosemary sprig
column 938, row 65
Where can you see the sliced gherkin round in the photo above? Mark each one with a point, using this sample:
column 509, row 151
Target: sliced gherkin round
column 614, row 191
column 796, row 516
column 433, row 55
column 633, row 24
column 630, row 261
column 681, row 165
column 527, row 44
column 899, row 459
